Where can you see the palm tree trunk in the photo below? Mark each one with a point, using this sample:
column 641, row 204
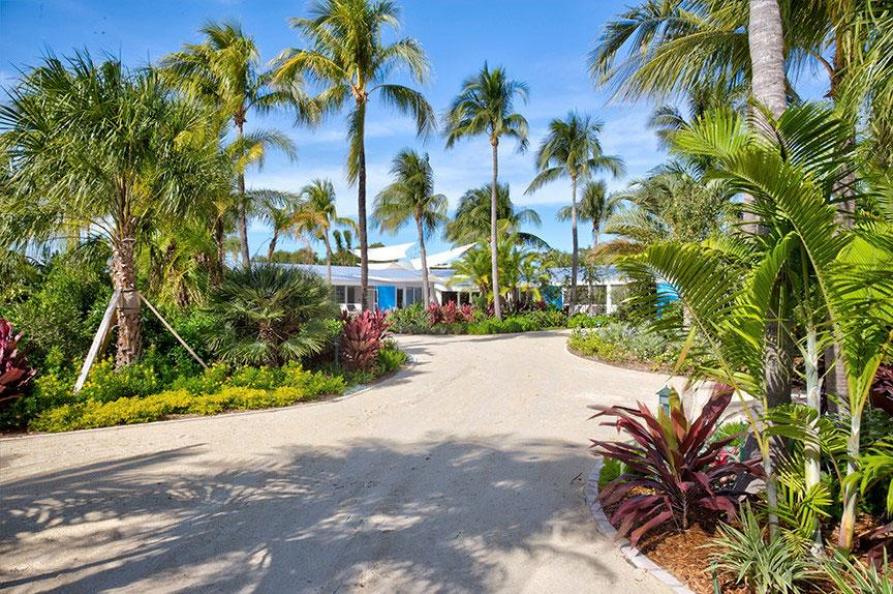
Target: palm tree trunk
column 766, row 42
column 494, row 251
column 812, row 470
column 328, row 258
column 361, row 204
column 271, row 249
column 850, row 491
column 595, row 234
column 426, row 287
column 574, row 245
column 243, row 212
column 216, row 276
column 124, row 280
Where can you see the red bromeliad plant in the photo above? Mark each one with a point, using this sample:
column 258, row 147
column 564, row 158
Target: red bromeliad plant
column 14, row 370
column 362, row 338
column 673, row 471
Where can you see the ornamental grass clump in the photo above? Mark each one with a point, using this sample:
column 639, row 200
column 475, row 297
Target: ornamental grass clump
column 674, row 473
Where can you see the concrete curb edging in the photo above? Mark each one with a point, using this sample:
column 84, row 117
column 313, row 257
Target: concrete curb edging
column 632, row 554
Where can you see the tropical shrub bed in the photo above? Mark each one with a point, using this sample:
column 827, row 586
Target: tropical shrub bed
column 625, row 343
column 465, row 319
column 272, row 335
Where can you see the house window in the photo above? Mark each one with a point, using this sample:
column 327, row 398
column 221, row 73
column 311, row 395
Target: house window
column 340, row 294
column 353, row 294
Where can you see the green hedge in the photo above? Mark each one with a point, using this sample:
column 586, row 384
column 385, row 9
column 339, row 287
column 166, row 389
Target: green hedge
column 248, row 388
column 621, row 342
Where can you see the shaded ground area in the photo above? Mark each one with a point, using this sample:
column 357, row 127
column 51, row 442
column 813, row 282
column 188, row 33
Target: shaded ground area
column 461, row 474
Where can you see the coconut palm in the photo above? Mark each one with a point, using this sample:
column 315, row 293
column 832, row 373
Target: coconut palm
column 348, row 56
column 471, row 222
column 224, row 71
column 103, row 151
column 278, row 210
column 596, row 206
column 318, row 214
column 411, row 198
column 572, row 149
column 485, row 106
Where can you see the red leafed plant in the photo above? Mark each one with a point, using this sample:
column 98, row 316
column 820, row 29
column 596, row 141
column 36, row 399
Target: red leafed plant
column 882, row 389
column 14, row 370
column 673, row 471
column 467, row 313
column 435, row 314
column 362, row 338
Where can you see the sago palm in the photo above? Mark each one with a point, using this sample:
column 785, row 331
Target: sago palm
column 317, row 216
column 411, row 197
column 349, row 58
column 224, row 71
column 485, row 107
column 96, row 149
column 572, row 149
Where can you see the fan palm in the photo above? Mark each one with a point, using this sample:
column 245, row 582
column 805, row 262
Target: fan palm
column 349, row 57
column 270, row 315
column 223, row 72
column 471, row 221
column 596, row 206
column 318, row 214
column 412, row 197
column 572, row 149
column 97, row 149
column 485, row 106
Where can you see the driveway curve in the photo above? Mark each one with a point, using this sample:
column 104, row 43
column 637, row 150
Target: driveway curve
column 463, row 473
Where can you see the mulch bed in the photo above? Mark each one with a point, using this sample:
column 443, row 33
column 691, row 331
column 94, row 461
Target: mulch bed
column 686, row 554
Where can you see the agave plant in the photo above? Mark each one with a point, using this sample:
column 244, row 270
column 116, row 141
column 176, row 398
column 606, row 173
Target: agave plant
column 14, row 370
column 674, row 471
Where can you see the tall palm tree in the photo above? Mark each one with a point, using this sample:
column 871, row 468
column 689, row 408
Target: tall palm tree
column 277, row 209
column 768, row 84
column 412, row 197
column 485, row 106
column 348, row 56
column 100, row 150
column 596, row 206
column 471, row 222
column 572, row 149
column 318, row 214
column 223, row 71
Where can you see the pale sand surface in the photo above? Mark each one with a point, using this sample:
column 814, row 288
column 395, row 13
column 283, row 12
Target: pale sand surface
column 463, row 473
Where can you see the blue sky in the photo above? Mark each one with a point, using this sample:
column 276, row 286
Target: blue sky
column 542, row 43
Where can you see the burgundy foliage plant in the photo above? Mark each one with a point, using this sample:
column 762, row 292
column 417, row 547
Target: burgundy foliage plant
column 362, row 338
column 674, row 473
column 15, row 374
column 449, row 313
column 882, row 389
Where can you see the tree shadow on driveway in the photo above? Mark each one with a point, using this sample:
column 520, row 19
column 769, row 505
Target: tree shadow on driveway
column 440, row 515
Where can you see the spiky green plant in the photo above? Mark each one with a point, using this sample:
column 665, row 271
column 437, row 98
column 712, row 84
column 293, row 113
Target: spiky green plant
column 270, row 314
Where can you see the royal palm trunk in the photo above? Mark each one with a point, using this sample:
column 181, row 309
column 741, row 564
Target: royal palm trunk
column 494, row 251
column 766, row 44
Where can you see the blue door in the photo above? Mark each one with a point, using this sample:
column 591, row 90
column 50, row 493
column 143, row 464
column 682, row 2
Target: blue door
column 387, row 297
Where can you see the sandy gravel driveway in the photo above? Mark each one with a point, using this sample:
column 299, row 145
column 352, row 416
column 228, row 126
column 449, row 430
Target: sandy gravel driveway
column 463, row 473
